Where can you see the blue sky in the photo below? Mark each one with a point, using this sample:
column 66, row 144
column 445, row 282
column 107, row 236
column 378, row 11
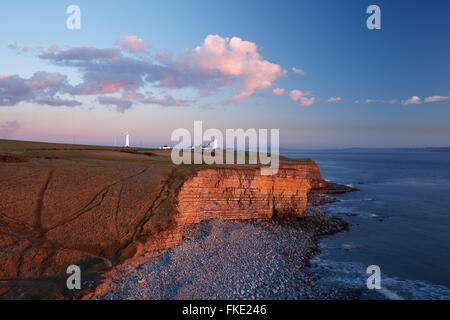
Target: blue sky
column 381, row 70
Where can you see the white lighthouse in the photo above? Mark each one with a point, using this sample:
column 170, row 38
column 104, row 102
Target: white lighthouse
column 215, row 144
column 127, row 140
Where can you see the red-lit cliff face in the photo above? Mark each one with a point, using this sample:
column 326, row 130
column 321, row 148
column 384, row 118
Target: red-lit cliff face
column 237, row 194
column 243, row 193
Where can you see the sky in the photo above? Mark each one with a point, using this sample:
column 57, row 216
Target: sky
column 311, row 69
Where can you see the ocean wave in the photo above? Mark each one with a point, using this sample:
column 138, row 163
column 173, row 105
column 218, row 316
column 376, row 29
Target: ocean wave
column 352, row 276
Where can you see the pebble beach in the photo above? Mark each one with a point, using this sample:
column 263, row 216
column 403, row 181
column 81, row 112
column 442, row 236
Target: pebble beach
column 237, row 260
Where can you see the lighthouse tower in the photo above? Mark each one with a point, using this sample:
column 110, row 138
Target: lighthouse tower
column 215, row 144
column 127, row 140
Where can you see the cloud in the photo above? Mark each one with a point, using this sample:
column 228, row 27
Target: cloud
column 127, row 100
column 131, row 44
column 12, row 46
column 121, row 104
column 278, row 91
column 43, row 80
column 218, row 62
column 42, row 88
column 236, row 58
column 79, row 56
column 124, row 71
column 334, row 99
column 436, row 99
column 13, row 91
column 298, row 71
column 56, row 102
column 8, row 128
column 164, row 56
column 412, row 100
column 367, row 101
column 166, row 101
column 15, row 47
column 306, row 102
column 295, row 95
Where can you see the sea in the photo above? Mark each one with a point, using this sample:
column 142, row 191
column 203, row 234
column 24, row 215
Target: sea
column 400, row 221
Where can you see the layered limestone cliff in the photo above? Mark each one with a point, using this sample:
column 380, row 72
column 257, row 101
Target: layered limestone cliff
column 239, row 193
column 243, row 193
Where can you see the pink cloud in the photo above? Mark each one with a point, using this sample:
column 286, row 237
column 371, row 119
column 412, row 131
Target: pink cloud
column 334, row 99
column 80, row 54
column 12, row 46
column 166, row 101
column 5, row 75
column 436, row 98
column 102, row 86
column 295, row 95
column 43, row 80
column 373, row 101
column 298, row 71
column 120, row 103
column 217, row 63
column 238, row 58
column 42, row 88
column 164, row 56
column 278, row 91
column 306, row 102
column 412, row 100
column 131, row 44
column 15, row 47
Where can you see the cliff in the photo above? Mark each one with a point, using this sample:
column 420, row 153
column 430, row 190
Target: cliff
column 240, row 194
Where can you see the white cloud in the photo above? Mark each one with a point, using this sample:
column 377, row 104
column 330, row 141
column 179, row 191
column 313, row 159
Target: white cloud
column 298, row 71
column 306, row 102
column 412, row 100
column 295, row 95
column 236, row 57
column 436, row 98
column 278, row 91
column 334, row 99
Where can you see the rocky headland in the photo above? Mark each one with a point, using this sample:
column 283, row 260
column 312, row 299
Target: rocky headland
column 111, row 212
